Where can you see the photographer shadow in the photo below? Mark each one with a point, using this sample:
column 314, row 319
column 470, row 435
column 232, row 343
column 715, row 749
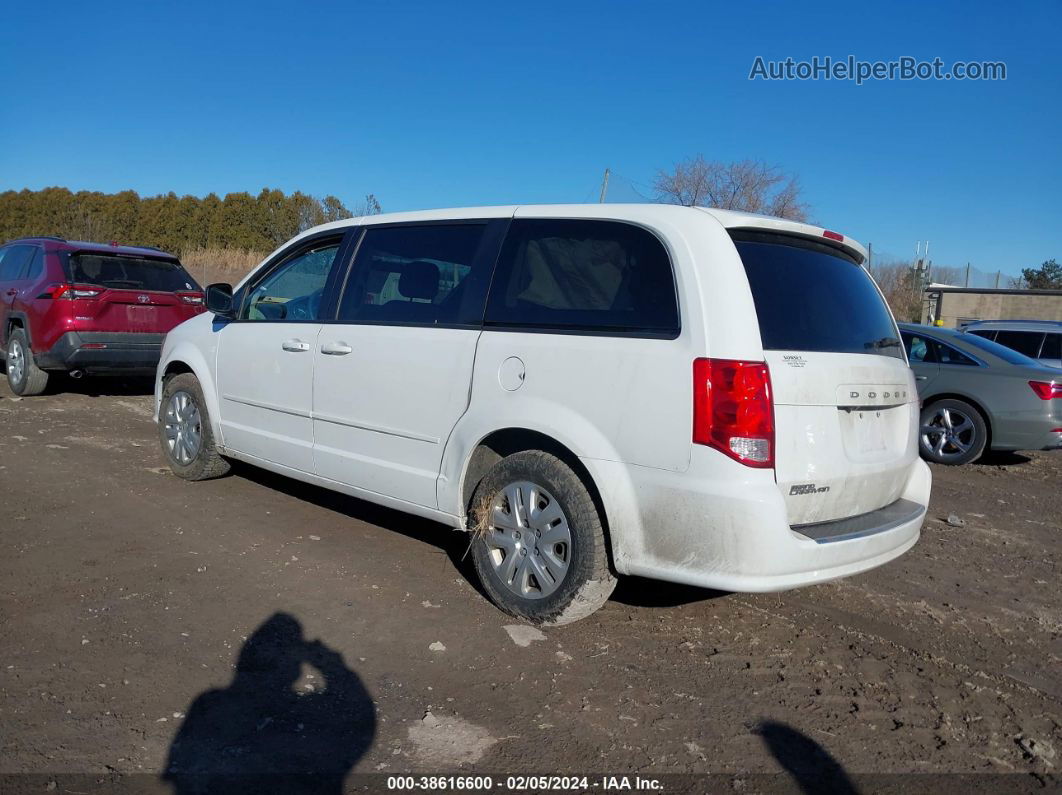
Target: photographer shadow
column 811, row 766
column 260, row 735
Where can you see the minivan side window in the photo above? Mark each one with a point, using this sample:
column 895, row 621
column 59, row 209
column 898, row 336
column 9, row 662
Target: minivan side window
column 1027, row 342
column 418, row 274
column 293, row 291
column 576, row 275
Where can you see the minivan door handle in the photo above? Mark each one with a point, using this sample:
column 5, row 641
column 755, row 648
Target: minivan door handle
column 295, row 346
column 336, row 348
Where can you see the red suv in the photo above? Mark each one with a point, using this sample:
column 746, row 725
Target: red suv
column 87, row 308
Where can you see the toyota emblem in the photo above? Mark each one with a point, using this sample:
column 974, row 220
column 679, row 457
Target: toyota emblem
column 143, row 298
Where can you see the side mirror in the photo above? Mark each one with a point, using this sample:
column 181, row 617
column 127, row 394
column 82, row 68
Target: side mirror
column 219, row 299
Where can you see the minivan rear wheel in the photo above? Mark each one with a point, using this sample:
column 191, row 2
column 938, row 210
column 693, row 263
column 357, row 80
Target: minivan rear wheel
column 184, row 431
column 539, row 546
column 952, row 432
column 23, row 374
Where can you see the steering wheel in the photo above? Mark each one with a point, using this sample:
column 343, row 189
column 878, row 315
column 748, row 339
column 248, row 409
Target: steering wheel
column 307, row 307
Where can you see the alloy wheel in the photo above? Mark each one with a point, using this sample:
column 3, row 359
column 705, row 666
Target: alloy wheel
column 184, row 428
column 949, row 434
column 16, row 362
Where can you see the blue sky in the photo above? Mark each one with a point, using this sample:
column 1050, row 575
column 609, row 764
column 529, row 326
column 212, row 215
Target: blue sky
column 452, row 104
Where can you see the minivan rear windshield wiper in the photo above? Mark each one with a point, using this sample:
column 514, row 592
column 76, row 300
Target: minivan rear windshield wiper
column 884, row 342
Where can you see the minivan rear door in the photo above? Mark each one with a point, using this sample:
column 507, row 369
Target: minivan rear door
column 846, row 407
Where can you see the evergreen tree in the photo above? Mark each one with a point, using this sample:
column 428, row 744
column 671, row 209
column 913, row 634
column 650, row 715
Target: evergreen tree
column 176, row 224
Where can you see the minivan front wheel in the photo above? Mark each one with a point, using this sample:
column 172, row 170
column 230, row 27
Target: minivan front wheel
column 952, row 432
column 539, row 545
column 23, row 374
column 184, row 431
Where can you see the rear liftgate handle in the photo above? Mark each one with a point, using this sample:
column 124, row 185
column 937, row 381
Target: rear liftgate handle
column 336, row 348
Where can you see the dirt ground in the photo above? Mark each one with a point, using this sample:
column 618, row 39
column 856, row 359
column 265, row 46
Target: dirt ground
column 127, row 595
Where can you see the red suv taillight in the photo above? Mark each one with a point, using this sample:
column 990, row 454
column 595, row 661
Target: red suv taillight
column 1045, row 390
column 69, row 292
column 733, row 410
column 191, row 298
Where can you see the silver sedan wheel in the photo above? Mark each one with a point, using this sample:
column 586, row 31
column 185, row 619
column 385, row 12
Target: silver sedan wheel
column 529, row 540
column 948, row 434
column 184, row 428
column 16, row 363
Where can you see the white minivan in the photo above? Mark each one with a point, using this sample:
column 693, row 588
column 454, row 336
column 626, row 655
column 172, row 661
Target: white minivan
column 694, row 395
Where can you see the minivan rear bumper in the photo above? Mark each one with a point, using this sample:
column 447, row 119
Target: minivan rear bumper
column 719, row 527
column 103, row 352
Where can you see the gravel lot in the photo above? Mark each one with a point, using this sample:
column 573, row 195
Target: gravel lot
column 126, row 596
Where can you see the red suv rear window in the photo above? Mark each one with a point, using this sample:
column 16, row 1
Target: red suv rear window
column 128, row 273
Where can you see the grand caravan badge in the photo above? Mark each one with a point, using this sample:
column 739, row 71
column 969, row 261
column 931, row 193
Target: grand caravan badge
column 807, row 488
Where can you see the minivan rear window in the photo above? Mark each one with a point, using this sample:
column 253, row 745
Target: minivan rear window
column 811, row 297
column 128, row 273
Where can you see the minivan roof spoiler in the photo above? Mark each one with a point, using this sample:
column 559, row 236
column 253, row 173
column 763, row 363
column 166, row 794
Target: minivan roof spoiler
column 731, row 219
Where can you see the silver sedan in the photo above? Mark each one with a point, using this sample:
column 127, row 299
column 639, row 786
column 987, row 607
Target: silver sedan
column 979, row 395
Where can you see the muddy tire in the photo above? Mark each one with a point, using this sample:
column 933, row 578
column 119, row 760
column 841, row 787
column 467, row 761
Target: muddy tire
column 539, row 545
column 23, row 374
column 184, row 431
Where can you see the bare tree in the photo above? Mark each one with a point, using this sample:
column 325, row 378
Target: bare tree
column 947, row 274
column 371, row 206
column 900, row 286
column 747, row 185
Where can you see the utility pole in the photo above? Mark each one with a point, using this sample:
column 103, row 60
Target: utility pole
column 998, row 274
column 967, row 275
column 604, row 188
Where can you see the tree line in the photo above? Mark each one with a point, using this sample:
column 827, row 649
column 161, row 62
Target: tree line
column 173, row 223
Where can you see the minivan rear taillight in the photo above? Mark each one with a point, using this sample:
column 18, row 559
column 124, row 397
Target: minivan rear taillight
column 1045, row 390
column 70, row 292
column 733, row 410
